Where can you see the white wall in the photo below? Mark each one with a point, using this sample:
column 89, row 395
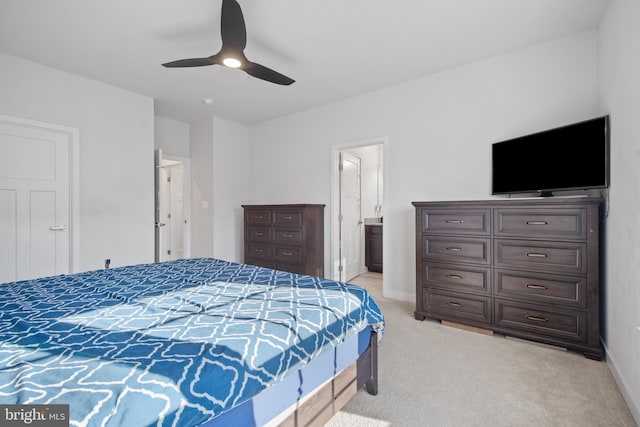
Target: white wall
column 439, row 131
column 172, row 137
column 201, row 148
column 116, row 132
column 219, row 150
column 620, row 94
column 230, row 187
column 220, row 185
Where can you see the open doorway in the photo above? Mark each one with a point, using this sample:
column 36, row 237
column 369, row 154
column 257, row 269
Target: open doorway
column 357, row 204
column 173, row 213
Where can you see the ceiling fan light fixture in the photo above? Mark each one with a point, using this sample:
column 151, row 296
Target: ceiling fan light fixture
column 231, row 62
column 231, row 54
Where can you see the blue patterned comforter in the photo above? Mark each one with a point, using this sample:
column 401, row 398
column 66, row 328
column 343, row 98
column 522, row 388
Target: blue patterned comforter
column 174, row 343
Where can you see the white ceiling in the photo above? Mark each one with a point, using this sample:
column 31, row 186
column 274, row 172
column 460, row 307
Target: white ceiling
column 334, row 49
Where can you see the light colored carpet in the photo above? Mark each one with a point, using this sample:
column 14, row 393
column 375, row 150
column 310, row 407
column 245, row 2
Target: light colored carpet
column 435, row 375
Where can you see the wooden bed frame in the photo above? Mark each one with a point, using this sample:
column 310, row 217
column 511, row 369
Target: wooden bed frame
column 325, row 401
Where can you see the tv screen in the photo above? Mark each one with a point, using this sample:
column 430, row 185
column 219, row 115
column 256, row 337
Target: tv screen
column 573, row 157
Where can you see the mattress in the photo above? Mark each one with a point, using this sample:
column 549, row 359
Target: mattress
column 279, row 397
column 178, row 343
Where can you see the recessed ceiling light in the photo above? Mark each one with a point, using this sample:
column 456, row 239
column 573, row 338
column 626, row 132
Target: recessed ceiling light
column 207, row 101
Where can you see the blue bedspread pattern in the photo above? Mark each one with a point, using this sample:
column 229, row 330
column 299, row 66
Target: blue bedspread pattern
column 172, row 343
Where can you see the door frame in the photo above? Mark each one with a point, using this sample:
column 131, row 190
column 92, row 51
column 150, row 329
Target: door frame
column 334, row 249
column 74, row 179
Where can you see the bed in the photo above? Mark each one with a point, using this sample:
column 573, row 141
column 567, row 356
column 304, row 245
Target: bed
column 188, row 343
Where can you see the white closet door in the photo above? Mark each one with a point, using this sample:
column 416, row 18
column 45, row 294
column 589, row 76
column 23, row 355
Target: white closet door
column 34, row 201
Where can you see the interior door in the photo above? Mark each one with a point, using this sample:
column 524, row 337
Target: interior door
column 350, row 215
column 176, row 210
column 171, row 218
column 159, row 205
column 34, row 201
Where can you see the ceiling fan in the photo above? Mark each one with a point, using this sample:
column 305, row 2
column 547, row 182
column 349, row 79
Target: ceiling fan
column 234, row 40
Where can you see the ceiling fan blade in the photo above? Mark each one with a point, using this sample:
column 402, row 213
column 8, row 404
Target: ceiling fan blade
column 264, row 73
column 191, row 62
column 232, row 27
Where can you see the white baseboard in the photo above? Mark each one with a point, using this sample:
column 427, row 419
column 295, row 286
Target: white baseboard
column 401, row 296
column 624, row 390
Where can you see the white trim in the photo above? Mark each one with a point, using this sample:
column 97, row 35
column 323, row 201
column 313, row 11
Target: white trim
column 400, row 296
column 74, row 180
column 624, row 390
column 335, row 195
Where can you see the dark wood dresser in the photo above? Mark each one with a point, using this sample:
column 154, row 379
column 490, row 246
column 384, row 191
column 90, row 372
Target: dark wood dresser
column 285, row 237
column 528, row 268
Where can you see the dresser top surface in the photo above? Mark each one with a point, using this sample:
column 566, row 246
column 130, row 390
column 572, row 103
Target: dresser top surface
column 285, row 205
column 528, row 201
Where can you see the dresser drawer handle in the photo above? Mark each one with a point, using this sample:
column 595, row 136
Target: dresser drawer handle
column 259, row 250
column 454, row 249
column 532, row 286
column 536, row 318
column 537, row 222
column 259, row 217
column 453, row 276
column 454, row 304
column 287, row 253
column 454, row 221
column 288, row 236
column 536, row 255
column 288, row 217
column 259, row 233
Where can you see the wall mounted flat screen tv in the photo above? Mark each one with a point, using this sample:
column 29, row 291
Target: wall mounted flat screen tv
column 572, row 157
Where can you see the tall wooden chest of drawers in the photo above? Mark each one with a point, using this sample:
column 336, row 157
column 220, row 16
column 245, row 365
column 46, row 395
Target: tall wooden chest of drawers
column 285, row 237
column 528, row 268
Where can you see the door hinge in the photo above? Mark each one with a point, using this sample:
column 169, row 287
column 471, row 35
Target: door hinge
column 168, row 179
column 169, row 252
column 340, row 268
column 169, row 215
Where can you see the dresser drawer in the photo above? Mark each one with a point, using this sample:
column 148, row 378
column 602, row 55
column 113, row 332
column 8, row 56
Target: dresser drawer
column 540, row 287
column 456, row 221
column 456, row 277
column 449, row 305
column 541, row 223
column 258, row 234
column 257, row 250
column 541, row 320
column 289, row 236
column 560, row 257
column 286, row 254
column 287, row 217
column 373, row 230
column 258, row 216
column 455, row 249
